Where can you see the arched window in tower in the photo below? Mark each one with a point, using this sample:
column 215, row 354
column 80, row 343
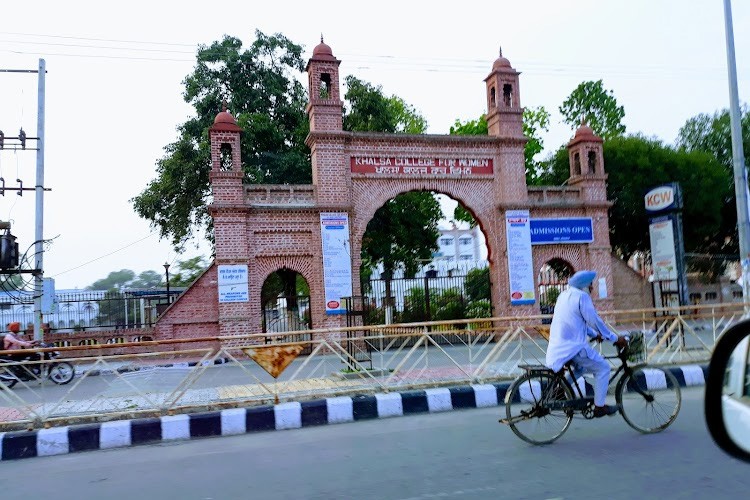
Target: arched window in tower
column 226, row 157
column 577, row 164
column 493, row 99
column 325, row 86
column 592, row 162
column 508, row 94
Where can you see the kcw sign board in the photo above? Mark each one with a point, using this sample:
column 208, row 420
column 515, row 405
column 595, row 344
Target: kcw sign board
column 661, row 198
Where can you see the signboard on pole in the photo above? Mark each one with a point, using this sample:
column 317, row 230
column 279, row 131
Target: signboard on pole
column 337, row 260
column 663, row 256
column 520, row 263
column 664, row 205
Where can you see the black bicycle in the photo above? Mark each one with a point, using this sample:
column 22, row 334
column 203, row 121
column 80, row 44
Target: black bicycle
column 540, row 404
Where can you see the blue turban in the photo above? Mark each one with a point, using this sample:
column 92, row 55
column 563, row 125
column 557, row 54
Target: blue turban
column 582, row 279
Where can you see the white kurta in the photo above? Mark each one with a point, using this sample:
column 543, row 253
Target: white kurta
column 574, row 321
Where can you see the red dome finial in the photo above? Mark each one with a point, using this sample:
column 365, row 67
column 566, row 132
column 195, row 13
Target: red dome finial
column 501, row 62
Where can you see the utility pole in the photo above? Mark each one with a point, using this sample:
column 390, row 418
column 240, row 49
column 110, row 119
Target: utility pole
column 39, row 225
column 738, row 156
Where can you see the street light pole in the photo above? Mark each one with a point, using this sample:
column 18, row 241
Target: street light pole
column 166, row 270
column 738, row 157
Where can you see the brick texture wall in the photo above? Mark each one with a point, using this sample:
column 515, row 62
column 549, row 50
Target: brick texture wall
column 269, row 228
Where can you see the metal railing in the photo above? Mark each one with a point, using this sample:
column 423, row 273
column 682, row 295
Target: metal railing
column 182, row 375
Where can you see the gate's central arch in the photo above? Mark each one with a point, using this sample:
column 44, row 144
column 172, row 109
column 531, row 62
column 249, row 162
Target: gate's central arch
column 262, row 228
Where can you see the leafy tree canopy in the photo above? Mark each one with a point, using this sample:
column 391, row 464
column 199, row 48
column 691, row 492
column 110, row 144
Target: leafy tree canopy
column 634, row 165
column 403, row 232
column 114, row 280
column 187, row 271
column 370, row 110
column 535, row 122
column 712, row 133
column 260, row 88
column 591, row 103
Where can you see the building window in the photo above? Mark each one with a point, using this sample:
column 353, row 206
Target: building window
column 464, row 241
column 577, row 164
column 446, row 241
column 493, row 101
column 737, row 294
column 465, row 257
column 592, row 162
column 695, row 298
column 711, row 295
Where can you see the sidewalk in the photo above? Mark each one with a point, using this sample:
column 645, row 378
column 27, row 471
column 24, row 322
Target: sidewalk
column 291, row 415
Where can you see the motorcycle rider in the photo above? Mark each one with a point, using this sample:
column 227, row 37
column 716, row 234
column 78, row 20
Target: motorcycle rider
column 11, row 342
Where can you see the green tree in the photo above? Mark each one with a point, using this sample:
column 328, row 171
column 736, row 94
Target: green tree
column 477, row 284
column 403, row 233
column 187, row 271
column 636, row 164
column 712, row 134
column 260, row 87
column 591, row 103
column 535, row 121
column 147, row 279
column 114, row 280
column 369, row 110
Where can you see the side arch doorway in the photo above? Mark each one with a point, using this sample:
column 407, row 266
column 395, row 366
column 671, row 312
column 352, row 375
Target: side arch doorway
column 553, row 279
column 285, row 302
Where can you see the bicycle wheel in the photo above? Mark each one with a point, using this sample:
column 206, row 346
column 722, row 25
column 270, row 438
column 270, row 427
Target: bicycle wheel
column 61, row 372
column 526, row 407
column 649, row 399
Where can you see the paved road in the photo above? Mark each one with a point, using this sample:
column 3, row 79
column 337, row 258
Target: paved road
column 454, row 455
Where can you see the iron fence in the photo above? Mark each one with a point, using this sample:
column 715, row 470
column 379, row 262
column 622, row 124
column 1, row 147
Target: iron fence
column 90, row 310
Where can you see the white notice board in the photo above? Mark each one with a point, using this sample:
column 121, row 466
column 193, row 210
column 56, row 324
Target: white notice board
column 520, row 263
column 337, row 260
column 232, row 282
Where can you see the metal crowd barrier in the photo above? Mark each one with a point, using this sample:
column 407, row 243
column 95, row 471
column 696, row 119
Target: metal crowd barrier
column 183, row 375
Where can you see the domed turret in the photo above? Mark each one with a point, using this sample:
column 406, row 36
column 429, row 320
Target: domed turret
column 224, row 121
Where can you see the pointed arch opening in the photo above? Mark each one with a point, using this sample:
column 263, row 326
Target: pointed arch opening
column 424, row 258
column 552, row 280
column 285, row 301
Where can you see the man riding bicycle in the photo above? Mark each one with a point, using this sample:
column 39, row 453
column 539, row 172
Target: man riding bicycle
column 575, row 321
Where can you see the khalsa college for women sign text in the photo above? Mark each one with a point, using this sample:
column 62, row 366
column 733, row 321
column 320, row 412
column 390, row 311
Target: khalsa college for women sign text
column 421, row 166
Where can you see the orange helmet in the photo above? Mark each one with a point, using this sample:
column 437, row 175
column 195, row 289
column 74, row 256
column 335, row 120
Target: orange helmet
column 14, row 327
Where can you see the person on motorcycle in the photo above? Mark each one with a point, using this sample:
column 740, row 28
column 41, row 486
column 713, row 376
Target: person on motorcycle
column 11, row 342
column 573, row 321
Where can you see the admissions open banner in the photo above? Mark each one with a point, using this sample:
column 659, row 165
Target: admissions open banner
column 337, row 260
column 520, row 263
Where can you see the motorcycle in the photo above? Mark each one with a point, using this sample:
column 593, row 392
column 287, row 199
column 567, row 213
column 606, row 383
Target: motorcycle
column 14, row 370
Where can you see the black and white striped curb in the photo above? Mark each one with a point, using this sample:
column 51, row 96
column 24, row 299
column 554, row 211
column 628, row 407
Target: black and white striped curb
column 292, row 415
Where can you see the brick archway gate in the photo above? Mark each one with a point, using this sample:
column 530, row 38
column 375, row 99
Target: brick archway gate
column 261, row 228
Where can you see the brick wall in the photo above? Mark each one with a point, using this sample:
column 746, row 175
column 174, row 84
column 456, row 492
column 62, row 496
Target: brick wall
column 273, row 227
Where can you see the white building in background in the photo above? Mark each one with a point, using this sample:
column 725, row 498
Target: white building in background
column 460, row 249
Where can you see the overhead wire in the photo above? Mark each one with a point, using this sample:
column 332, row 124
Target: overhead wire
column 362, row 61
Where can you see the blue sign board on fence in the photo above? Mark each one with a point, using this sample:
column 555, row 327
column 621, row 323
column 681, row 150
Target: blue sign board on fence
column 557, row 231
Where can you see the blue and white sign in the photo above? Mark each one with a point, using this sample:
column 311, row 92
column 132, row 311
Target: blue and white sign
column 520, row 262
column 232, row 281
column 559, row 231
column 337, row 260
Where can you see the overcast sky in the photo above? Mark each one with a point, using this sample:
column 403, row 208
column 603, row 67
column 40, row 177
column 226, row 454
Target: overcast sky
column 114, row 91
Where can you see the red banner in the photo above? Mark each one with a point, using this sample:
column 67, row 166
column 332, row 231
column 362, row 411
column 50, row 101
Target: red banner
column 421, row 166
